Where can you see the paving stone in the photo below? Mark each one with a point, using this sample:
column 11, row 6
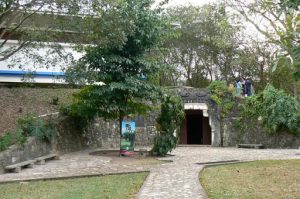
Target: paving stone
column 178, row 179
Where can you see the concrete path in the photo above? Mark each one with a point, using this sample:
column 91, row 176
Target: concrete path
column 80, row 164
column 176, row 180
column 180, row 179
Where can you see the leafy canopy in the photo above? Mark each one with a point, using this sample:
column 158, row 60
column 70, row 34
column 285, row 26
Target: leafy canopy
column 119, row 77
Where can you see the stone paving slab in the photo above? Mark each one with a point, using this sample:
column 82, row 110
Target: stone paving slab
column 180, row 179
column 75, row 165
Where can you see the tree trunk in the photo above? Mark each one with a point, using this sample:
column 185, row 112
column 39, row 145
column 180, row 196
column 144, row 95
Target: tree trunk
column 120, row 130
column 221, row 132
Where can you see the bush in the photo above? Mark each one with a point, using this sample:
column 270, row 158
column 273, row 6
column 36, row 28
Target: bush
column 163, row 143
column 79, row 115
column 170, row 118
column 5, row 141
column 20, row 137
column 28, row 126
column 278, row 110
column 37, row 127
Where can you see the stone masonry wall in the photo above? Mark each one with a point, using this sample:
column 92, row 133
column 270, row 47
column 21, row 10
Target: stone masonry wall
column 101, row 134
column 105, row 134
column 32, row 149
column 191, row 95
column 16, row 102
column 252, row 132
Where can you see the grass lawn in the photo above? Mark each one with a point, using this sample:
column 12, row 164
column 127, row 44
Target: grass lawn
column 259, row 179
column 110, row 186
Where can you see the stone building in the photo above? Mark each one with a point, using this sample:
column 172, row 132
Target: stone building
column 200, row 125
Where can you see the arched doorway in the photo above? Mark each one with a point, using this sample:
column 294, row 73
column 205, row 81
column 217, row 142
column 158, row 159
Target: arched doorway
column 195, row 128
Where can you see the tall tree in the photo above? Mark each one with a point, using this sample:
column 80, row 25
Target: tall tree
column 280, row 28
column 207, row 46
column 119, row 76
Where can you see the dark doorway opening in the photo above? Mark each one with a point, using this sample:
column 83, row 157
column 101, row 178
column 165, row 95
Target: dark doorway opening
column 195, row 128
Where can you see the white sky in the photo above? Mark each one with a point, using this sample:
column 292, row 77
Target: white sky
column 193, row 2
column 250, row 30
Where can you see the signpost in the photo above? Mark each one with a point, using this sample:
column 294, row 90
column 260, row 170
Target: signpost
column 128, row 137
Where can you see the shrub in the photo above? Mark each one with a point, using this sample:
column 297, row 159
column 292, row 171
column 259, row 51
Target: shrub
column 170, row 118
column 28, row 126
column 5, row 141
column 20, row 137
column 278, row 110
column 80, row 116
column 37, row 127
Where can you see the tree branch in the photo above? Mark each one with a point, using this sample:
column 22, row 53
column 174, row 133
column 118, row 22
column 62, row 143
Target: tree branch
column 22, row 45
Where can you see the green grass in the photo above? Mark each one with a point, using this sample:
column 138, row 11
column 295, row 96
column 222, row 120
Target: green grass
column 104, row 187
column 259, row 179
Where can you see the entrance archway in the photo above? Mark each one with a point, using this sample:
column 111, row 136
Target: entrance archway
column 195, row 128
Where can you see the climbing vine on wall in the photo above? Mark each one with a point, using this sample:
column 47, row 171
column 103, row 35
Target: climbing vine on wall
column 224, row 99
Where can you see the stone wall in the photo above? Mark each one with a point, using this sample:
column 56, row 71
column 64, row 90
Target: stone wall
column 195, row 96
column 33, row 148
column 252, row 132
column 16, row 102
column 100, row 134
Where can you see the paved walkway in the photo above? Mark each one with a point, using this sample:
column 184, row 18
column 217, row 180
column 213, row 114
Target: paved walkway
column 178, row 179
column 79, row 164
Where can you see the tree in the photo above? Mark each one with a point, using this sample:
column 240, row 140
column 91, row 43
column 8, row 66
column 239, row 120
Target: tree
column 281, row 28
column 36, row 24
column 207, row 46
column 291, row 3
column 118, row 77
column 18, row 20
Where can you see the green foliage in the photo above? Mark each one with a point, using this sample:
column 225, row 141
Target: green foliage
column 5, row 141
column 164, row 143
column 170, row 118
column 281, row 31
column 296, row 52
column 282, row 78
column 20, row 137
column 81, row 116
column 28, row 125
column 37, row 127
column 206, row 42
column 277, row 110
column 291, row 3
column 120, row 68
column 221, row 96
column 224, row 99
